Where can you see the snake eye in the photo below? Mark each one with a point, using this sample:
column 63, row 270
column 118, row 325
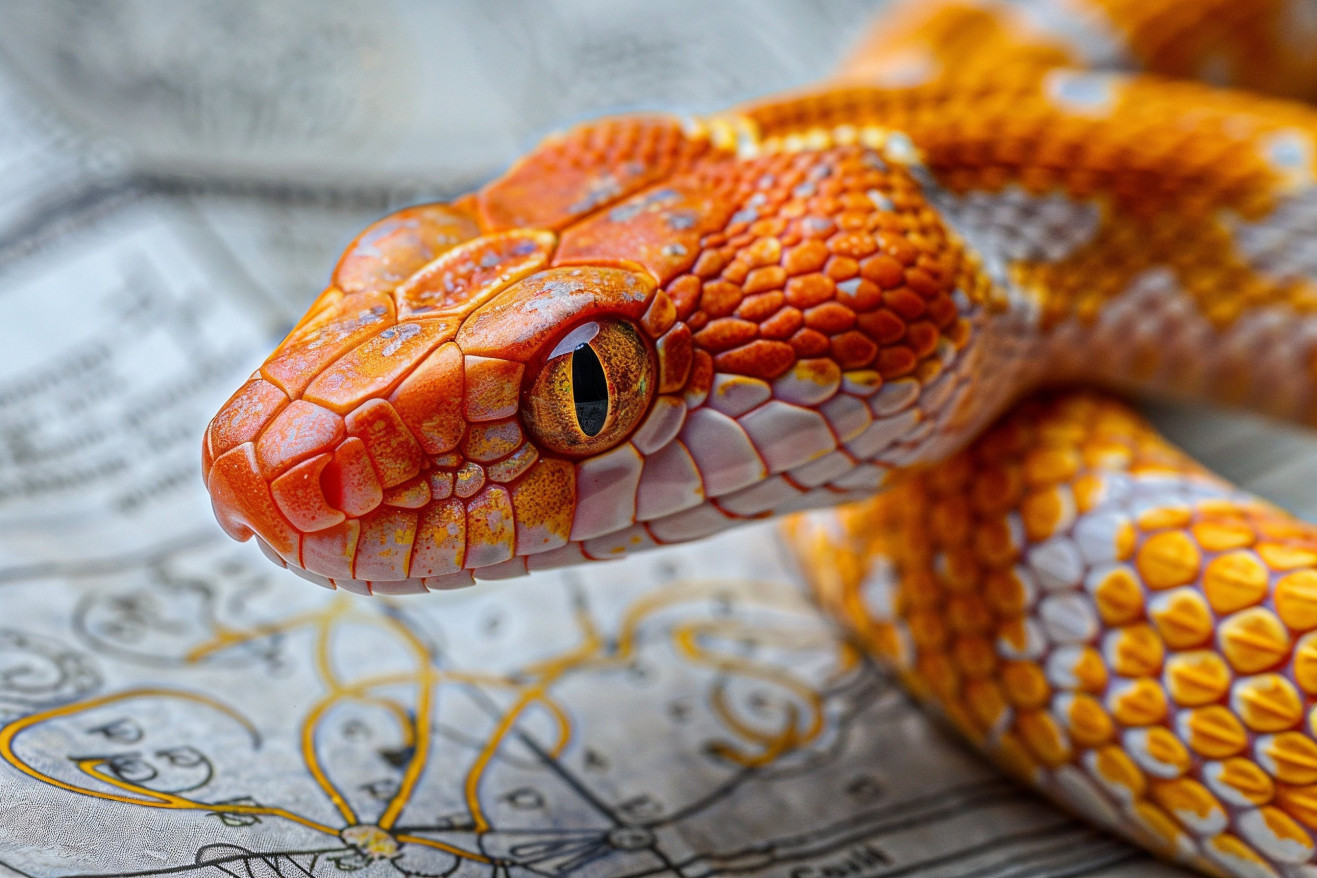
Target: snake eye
column 593, row 389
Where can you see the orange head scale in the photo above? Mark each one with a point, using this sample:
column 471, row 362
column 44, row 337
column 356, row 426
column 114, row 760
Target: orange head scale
column 645, row 332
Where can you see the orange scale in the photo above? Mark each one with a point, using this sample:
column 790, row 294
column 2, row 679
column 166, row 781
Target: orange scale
column 330, row 552
column 985, row 703
column 1005, row 593
column 542, row 506
column 490, row 528
column 1137, row 702
column 922, row 337
column 1291, row 757
column 299, row 431
column 385, row 544
column 244, row 415
column 927, row 629
column 462, row 278
column 761, row 358
column 299, row 497
column 1113, row 766
column 968, row 613
column 1182, row 618
column 1279, row 556
column 1190, row 802
column 1232, row 849
column 843, row 268
column 974, row 655
column 853, row 350
column 830, row 318
column 1011, row 753
column 349, row 480
column 660, row 317
column 759, row 307
column 1295, row 599
column 685, row 290
column 1119, row 597
column 1025, row 684
column 675, row 350
column 493, row 387
column 439, row 547
column 409, row 495
column 939, row 675
column 1088, row 722
column 812, row 343
column 492, row 440
column 718, row 298
column 961, row 573
column 784, row 324
column 376, row 365
column 1168, row 559
column 1048, row 466
column 1222, row 536
column 1044, row 737
column 393, row 450
column 520, row 321
column 997, row 489
column 311, row 347
column 1304, row 663
column 1267, row 703
column 1299, row 802
column 1253, row 640
column 1197, row 678
column 806, row 291
column 883, row 270
column 1135, row 651
column 393, row 249
column 1213, row 732
column 1166, row 833
column 243, row 503
column 950, row 521
column 994, row 543
column 429, row 400
column 806, row 257
column 1045, row 512
column 883, row 326
column 1235, row 580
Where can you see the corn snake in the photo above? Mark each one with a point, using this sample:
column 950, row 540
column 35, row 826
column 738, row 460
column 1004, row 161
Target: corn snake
column 652, row 328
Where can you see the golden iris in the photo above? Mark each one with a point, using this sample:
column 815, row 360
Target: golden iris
column 593, row 389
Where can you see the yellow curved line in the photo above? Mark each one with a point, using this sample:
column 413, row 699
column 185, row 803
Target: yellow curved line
column 226, row 637
column 687, row 637
column 549, row 671
column 141, row 795
column 443, row 846
column 421, row 734
column 312, row 761
column 172, row 801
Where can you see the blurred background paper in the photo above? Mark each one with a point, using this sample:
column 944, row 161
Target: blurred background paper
column 176, row 181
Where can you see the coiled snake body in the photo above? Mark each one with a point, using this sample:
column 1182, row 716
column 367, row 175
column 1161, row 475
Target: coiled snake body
column 652, row 328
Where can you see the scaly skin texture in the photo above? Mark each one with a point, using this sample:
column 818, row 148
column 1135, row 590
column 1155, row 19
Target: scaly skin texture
column 822, row 294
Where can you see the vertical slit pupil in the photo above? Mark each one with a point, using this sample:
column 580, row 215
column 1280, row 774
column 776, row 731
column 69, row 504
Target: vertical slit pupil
column 589, row 390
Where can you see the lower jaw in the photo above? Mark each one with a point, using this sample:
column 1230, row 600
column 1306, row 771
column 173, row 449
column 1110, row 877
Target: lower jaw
column 447, row 582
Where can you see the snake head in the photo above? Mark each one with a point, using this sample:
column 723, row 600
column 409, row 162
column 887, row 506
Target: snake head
column 616, row 345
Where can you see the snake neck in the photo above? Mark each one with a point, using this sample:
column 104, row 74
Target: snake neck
column 1133, row 232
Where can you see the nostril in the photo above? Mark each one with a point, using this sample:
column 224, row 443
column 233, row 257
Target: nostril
column 300, row 495
column 348, row 481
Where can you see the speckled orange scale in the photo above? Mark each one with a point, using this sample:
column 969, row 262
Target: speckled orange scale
column 653, row 328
